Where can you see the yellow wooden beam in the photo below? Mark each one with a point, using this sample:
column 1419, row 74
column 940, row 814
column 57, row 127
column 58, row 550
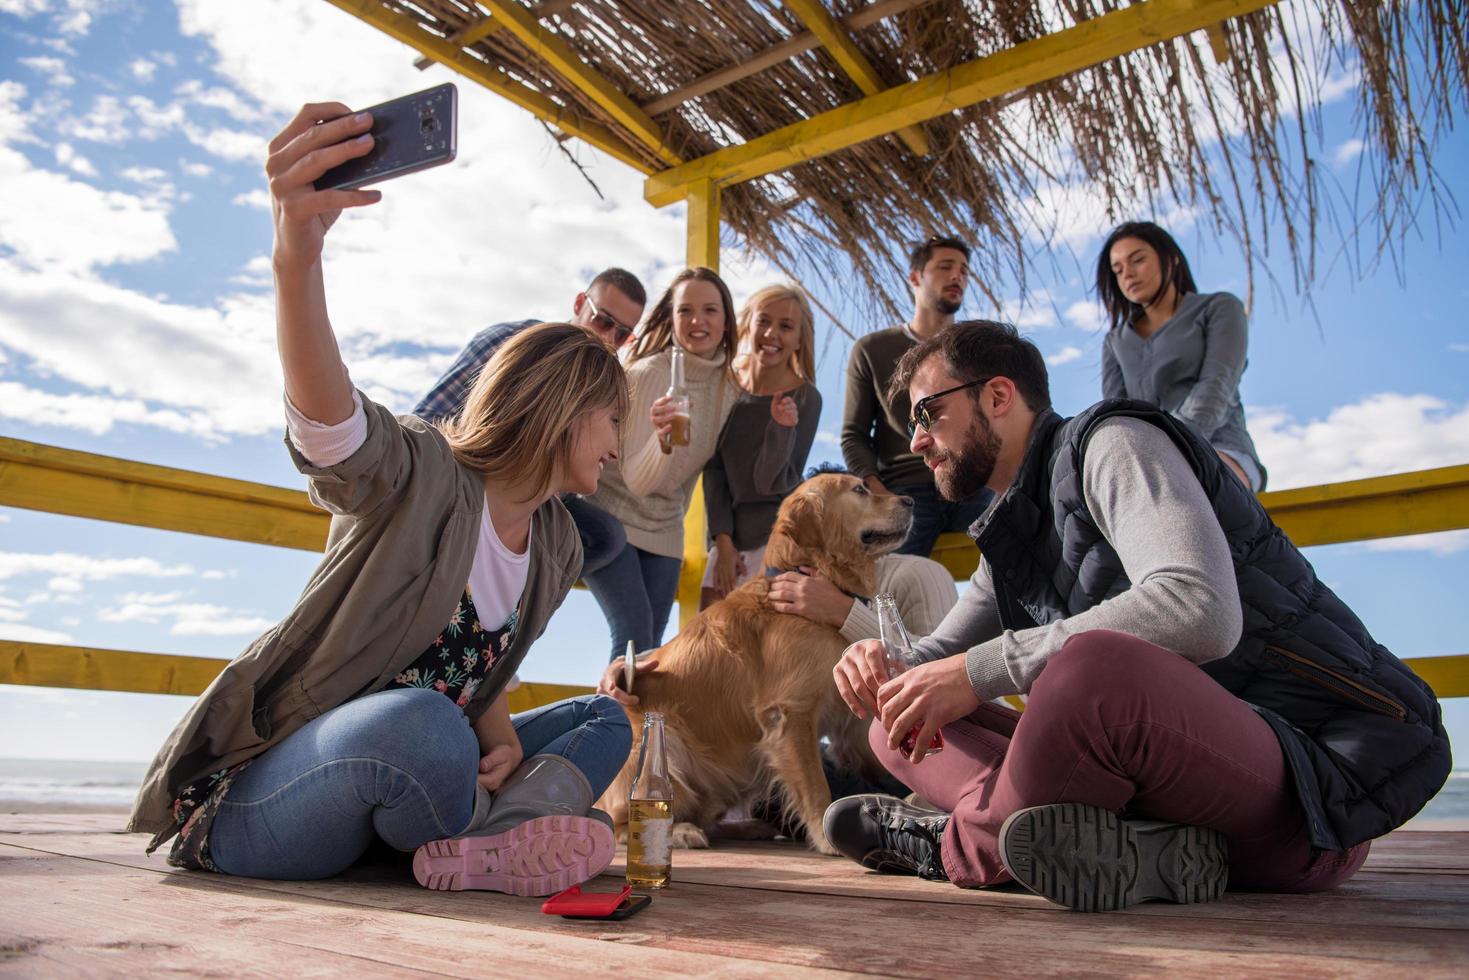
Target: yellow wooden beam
column 838, row 42
column 96, row 669
column 453, row 57
column 549, row 46
column 703, row 226
column 1082, row 46
column 63, row 481
column 1219, row 42
column 127, row 671
column 1379, row 507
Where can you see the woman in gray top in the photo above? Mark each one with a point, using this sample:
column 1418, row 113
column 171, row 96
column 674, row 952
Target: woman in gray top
column 1171, row 345
column 764, row 445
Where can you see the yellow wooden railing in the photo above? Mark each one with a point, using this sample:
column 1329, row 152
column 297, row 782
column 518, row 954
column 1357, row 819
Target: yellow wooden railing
column 63, row 481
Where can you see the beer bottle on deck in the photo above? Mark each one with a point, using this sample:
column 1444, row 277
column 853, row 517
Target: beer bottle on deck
column 650, row 811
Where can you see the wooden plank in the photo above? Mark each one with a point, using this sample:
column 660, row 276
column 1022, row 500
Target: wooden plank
column 63, row 481
column 79, row 914
column 774, row 55
column 763, row 927
column 453, row 57
column 1086, row 44
column 549, row 46
column 840, row 45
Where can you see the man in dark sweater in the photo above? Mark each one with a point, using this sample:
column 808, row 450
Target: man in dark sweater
column 874, row 438
column 1202, row 709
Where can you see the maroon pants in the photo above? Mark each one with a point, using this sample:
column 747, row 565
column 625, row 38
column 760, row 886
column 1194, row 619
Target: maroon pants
column 1117, row 722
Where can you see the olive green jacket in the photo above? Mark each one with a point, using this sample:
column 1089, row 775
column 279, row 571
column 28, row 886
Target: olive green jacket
column 405, row 520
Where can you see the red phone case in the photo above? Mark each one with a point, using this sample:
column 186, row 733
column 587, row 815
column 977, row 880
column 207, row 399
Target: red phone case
column 575, row 903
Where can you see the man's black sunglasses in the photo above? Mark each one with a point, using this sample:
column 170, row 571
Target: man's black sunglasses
column 605, row 321
column 921, row 416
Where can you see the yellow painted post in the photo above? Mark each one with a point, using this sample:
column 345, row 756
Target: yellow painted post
column 703, row 249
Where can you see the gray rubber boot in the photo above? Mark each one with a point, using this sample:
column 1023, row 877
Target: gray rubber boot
column 533, row 837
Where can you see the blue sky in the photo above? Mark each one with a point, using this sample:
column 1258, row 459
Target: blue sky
column 135, row 321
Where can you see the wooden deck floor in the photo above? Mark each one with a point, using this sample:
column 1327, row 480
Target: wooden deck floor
column 78, row 897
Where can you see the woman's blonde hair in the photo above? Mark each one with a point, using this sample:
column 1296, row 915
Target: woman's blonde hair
column 805, row 361
column 656, row 333
column 520, row 419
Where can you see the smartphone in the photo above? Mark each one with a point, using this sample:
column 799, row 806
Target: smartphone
column 411, row 133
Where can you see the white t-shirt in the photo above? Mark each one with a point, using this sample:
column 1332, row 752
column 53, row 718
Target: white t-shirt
column 496, row 576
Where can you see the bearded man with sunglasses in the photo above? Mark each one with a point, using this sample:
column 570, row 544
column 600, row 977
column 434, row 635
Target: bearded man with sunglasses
column 1203, row 711
column 610, row 307
column 873, row 442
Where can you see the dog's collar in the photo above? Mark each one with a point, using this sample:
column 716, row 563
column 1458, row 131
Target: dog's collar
column 771, row 572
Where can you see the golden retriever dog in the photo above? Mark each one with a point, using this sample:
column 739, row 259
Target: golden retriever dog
column 746, row 692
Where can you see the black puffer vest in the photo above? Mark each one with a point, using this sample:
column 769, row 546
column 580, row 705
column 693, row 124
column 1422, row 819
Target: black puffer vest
column 1362, row 734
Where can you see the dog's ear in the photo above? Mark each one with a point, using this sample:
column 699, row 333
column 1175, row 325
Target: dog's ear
column 797, row 531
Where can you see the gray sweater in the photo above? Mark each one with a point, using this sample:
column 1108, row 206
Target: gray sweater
column 1190, row 368
column 1154, row 512
column 757, row 463
column 874, row 427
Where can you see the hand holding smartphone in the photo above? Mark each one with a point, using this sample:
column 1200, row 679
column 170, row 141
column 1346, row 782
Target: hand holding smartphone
column 410, row 133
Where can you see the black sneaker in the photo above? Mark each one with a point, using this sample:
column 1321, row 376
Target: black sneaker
column 1091, row 860
column 885, row 834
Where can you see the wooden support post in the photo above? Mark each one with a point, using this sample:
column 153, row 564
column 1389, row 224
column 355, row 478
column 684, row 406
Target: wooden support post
column 703, row 249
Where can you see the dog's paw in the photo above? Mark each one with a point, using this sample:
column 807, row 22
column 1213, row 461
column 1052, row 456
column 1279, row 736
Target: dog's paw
column 820, row 844
column 685, row 834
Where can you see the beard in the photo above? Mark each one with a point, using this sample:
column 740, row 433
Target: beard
column 972, row 466
column 948, row 307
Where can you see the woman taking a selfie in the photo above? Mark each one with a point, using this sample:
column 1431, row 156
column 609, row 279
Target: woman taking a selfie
column 377, row 707
column 1171, row 345
column 764, row 445
column 665, row 448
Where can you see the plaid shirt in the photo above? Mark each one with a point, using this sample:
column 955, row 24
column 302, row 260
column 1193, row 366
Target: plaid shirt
column 448, row 395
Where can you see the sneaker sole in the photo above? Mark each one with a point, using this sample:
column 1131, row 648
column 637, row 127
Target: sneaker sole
column 1090, row 860
column 539, row 857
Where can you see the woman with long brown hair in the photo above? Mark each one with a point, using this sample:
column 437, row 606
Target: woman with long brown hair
column 377, row 708
column 650, row 487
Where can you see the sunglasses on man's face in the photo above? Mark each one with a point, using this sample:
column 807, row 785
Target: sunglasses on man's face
column 922, row 415
column 604, row 322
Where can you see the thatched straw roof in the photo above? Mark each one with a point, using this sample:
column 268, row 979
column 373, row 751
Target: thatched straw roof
column 1142, row 127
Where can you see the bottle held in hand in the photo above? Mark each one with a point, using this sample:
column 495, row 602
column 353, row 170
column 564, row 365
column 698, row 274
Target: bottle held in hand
column 650, row 811
column 898, row 652
column 679, row 392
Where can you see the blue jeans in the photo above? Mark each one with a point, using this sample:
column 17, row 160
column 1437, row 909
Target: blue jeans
column 933, row 515
column 400, row 765
column 636, row 591
column 602, row 536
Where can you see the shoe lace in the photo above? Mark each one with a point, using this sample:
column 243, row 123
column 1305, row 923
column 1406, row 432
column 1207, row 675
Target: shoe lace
column 916, row 841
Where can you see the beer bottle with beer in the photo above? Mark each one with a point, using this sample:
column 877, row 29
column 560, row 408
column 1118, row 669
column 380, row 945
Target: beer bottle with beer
column 898, row 653
column 679, row 392
column 650, row 811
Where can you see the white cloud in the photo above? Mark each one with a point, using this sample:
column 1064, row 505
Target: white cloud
column 1441, row 544
column 53, row 222
column 4, row 518
column 22, row 8
column 189, row 618
column 259, row 198
column 85, row 567
column 9, row 614
column 226, row 100
column 106, row 122
column 192, row 169
column 1064, row 356
column 64, row 583
column 72, row 160
column 1347, row 151
column 825, row 438
column 32, row 634
column 143, row 69
column 1087, row 315
column 53, row 68
column 1383, row 433
column 228, row 144
column 1459, row 348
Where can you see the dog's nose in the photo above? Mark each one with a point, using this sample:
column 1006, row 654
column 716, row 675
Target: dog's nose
column 906, row 502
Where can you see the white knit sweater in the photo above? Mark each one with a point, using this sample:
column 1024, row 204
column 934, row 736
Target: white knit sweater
column 647, row 489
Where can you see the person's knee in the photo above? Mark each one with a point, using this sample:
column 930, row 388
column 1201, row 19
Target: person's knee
column 877, row 737
column 610, row 717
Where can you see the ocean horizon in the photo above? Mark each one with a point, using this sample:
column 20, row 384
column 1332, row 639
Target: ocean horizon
column 93, row 783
